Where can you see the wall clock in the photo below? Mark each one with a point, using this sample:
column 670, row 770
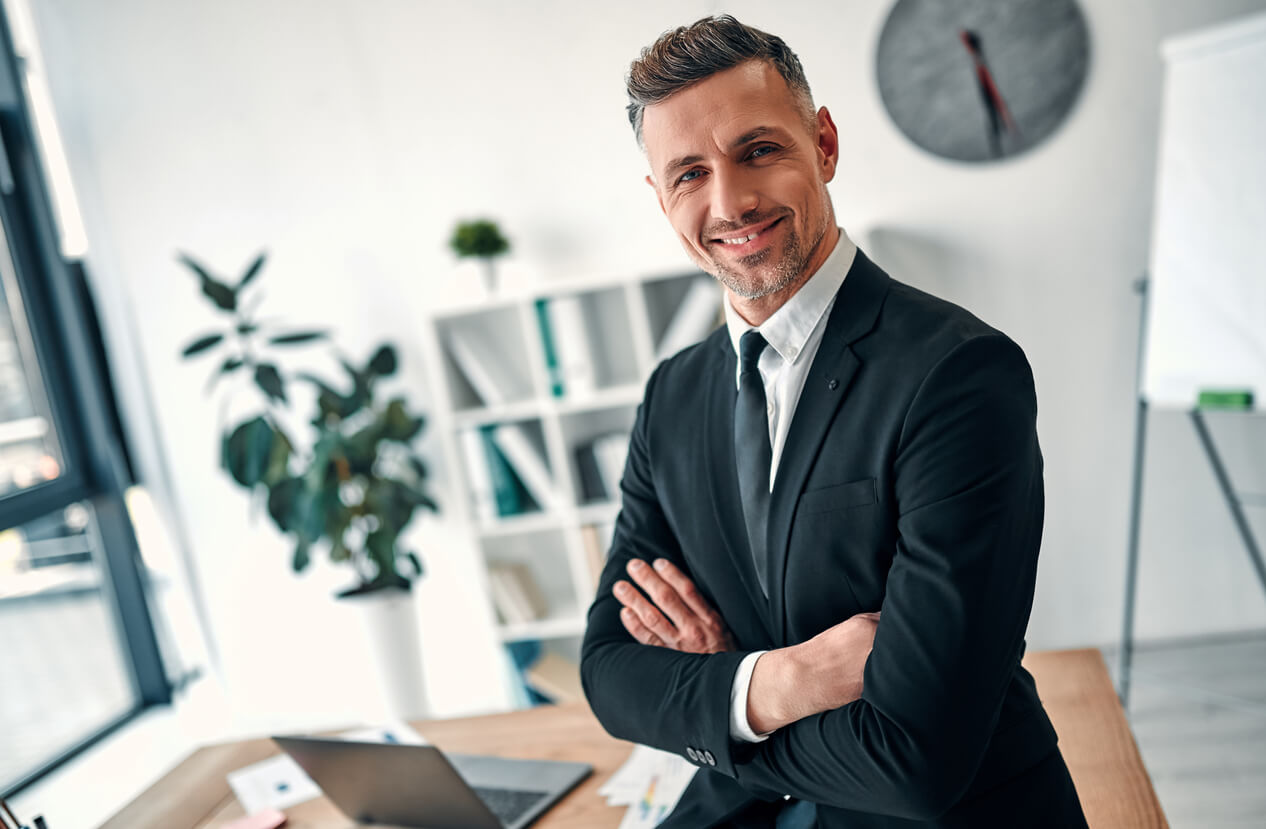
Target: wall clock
column 980, row 80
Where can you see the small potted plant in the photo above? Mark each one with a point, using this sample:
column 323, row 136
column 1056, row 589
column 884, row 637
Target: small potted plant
column 481, row 238
column 348, row 481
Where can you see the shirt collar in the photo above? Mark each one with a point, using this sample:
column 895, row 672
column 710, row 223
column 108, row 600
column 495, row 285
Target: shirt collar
column 788, row 329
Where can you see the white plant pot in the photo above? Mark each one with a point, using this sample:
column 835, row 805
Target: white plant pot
column 488, row 276
column 389, row 620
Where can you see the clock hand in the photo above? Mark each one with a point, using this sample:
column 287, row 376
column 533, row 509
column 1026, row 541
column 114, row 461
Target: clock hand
column 972, row 44
column 988, row 88
column 996, row 96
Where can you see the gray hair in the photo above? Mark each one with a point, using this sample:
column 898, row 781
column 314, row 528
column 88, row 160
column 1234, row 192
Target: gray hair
column 689, row 54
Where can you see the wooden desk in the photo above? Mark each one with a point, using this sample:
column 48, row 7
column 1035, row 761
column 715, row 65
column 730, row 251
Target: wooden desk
column 1074, row 685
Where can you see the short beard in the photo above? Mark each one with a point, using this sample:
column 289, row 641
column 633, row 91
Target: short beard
column 788, row 269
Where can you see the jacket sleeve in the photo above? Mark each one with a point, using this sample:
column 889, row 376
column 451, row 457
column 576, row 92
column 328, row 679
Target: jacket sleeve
column 968, row 488
column 646, row 694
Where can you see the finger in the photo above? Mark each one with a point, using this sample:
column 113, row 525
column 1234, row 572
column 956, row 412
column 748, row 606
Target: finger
column 649, row 615
column 661, row 592
column 689, row 594
column 637, row 630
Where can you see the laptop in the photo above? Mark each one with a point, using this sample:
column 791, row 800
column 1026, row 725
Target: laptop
column 419, row 785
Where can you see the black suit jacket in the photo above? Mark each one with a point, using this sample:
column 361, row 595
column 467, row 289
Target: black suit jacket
column 910, row 483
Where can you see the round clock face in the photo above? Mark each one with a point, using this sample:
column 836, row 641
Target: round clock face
column 980, row 80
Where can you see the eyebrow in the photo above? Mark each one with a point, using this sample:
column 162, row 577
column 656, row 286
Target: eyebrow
column 746, row 138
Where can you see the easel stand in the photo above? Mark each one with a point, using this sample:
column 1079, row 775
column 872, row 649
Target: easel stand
column 1233, row 500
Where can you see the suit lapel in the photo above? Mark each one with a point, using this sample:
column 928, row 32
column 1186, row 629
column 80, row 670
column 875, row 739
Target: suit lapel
column 834, row 367
column 726, row 502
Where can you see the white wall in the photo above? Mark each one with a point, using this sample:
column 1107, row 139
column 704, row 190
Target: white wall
column 347, row 138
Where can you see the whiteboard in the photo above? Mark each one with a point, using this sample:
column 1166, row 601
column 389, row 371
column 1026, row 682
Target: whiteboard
column 1206, row 322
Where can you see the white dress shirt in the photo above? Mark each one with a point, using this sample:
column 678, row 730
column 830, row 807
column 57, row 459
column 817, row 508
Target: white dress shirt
column 794, row 333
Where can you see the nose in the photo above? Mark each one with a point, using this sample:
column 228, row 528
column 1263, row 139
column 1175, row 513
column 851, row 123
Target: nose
column 733, row 195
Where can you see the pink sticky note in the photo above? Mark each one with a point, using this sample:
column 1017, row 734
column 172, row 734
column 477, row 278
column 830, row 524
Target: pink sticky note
column 266, row 819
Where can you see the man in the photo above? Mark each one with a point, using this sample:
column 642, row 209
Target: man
column 824, row 563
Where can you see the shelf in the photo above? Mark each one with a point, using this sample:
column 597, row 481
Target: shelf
column 498, row 364
column 629, row 394
column 488, row 415
column 528, row 522
column 477, row 306
column 542, row 629
column 534, row 522
column 601, row 513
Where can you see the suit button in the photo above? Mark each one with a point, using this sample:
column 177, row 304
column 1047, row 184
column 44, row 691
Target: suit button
column 692, row 754
column 707, row 756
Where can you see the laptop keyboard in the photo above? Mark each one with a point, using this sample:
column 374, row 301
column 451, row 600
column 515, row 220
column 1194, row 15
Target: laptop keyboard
column 508, row 804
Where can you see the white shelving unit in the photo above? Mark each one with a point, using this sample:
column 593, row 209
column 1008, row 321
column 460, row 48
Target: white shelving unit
column 624, row 324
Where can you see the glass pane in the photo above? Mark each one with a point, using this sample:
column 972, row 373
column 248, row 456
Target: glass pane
column 63, row 674
column 29, row 450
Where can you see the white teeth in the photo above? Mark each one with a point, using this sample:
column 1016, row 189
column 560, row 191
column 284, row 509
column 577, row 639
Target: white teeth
column 740, row 240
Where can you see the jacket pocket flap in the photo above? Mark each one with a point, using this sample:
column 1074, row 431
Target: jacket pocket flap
column 839, row 496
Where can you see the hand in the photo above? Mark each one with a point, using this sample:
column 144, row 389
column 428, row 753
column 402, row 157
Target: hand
column 819, row 675
column 679, row 618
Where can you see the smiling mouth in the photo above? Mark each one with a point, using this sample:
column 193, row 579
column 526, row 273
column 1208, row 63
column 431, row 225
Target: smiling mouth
column 745, row 239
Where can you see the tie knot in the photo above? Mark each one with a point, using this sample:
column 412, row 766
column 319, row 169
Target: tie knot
column 751, row 345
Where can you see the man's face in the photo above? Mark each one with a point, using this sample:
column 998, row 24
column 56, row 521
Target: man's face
column 742, row 179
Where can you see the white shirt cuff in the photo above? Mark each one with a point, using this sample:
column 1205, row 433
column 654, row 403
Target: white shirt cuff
column 740, row 729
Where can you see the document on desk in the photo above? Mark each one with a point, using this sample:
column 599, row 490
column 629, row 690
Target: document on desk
column 279, row 783
column 649, row 783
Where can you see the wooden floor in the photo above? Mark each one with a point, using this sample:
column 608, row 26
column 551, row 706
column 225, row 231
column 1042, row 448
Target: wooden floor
column 1198, row 711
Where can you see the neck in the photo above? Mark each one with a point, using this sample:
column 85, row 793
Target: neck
column 756, row 311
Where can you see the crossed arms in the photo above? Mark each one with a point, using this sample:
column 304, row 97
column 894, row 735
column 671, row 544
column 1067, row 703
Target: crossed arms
column 788, row 684
column 967, row 481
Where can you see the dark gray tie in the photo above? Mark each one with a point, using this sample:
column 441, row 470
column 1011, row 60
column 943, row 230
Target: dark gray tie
column 752, row 452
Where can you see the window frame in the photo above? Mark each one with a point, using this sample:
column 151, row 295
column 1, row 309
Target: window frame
column 96, row 468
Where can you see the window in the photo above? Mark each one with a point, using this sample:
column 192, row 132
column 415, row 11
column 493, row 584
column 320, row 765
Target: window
column 66, row 675
column 29, row 450
column 79, row 650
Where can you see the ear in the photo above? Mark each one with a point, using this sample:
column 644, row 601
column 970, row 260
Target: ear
column 651, row 181
column 828, row 144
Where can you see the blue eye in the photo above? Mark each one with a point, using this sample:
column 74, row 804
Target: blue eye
column 762, row 150
column 689, row 176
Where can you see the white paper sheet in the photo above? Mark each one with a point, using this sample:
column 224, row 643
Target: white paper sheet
column 650, row 783
column 275, row 783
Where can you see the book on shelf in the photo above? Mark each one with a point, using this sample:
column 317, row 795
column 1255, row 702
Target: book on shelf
column 571, row 343
column 552, row 367
column 600, row 464
column 693, row 320
column 510, row 496
column 590, row 476
column 555, row 677
column 596, row 540
column 512, row 440
column 515, row 593
column 483, row 494
column 479, row 366
column 612, row 450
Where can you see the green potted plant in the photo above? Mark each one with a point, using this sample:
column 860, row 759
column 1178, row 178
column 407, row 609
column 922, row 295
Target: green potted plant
column 482, row 239
column 349, row 483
